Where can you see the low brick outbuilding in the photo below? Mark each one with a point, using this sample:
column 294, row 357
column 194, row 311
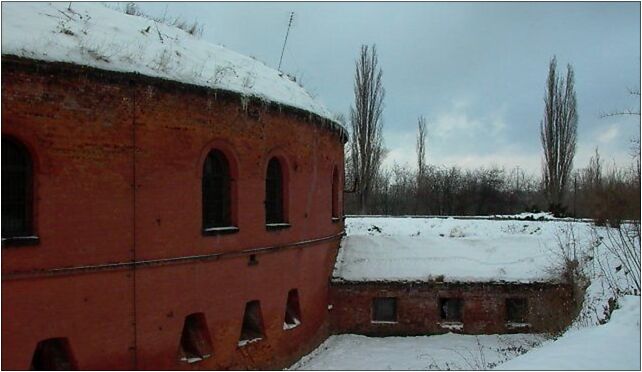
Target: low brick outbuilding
column 427, row 308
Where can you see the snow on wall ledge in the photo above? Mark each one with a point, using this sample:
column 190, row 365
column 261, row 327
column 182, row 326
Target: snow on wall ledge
column 451, row 250
column 91, row 34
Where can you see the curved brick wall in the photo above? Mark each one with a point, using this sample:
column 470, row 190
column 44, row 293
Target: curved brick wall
column 117, row 207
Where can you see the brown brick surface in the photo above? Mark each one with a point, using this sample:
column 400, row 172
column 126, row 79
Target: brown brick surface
column 484, row 309
column 118, row 161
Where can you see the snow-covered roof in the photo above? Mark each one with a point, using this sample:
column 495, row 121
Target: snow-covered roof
column 91, row 34
column 451, row 250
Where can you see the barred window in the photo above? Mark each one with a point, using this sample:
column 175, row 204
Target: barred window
column 216, row 191
column 16, row 190
column 274, row 193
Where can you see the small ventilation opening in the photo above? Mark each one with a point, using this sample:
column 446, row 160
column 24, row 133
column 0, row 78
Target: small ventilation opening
column 384, row 309
column 196, row 343
column 516, row 310
column 252, row 261
column 53, row 354
column 450, row 309
column 292, row 311
column 252, row 330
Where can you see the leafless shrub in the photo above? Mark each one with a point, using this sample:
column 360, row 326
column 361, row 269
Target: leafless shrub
column 622, row 248
column 571, row 264
column 475, row 359
column 221, row 72
column 102, row 52
column 248, row 81
column 163, row 60
column 193, row 28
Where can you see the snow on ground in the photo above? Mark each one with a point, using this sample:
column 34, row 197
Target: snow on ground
column 489, row 250
column 612, row 346
column 93, row 35
column 459, row 250
column 443, row 352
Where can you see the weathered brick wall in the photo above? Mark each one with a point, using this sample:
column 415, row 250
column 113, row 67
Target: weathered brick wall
column 118, row 161
column 484, row 310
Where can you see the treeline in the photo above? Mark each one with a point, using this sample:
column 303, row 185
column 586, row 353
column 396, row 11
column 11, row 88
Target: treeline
column 609, row 194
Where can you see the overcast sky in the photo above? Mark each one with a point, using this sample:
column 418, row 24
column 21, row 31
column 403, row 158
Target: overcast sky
column 476, row 71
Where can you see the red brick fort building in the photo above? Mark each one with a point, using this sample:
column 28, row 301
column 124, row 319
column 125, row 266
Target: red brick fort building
column 166, row 203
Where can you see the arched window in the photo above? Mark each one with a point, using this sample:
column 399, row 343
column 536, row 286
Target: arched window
column 216, row 191
column 335, row 193
column 16, row 190
column 274, row 193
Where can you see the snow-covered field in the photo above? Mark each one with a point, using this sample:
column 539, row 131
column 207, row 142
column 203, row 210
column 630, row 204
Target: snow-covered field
column 91, row 34
column 488, row 250
column 443, row 352
column 453, row 250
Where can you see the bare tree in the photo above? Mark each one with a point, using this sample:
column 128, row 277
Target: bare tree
column 421, row 148
column 421, row 189
column 558, row 132
column 367, row 151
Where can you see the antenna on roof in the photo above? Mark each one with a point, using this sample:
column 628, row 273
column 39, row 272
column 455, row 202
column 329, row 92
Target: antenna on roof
column 286, row 38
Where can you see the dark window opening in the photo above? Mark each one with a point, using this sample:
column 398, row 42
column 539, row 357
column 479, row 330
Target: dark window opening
column 252, row 260
column 16, row 190
column 53, row 354
column 274, row 193
column 516, row 310
column 384, row 309
column 335, row 193
column 216, row 191
column 451, row 309
column 292, row 310
column 196, row 343
column 252, row 329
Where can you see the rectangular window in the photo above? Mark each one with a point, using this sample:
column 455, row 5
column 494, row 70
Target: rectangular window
column 384, row 309
column 451, row 309
column 516, row 310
